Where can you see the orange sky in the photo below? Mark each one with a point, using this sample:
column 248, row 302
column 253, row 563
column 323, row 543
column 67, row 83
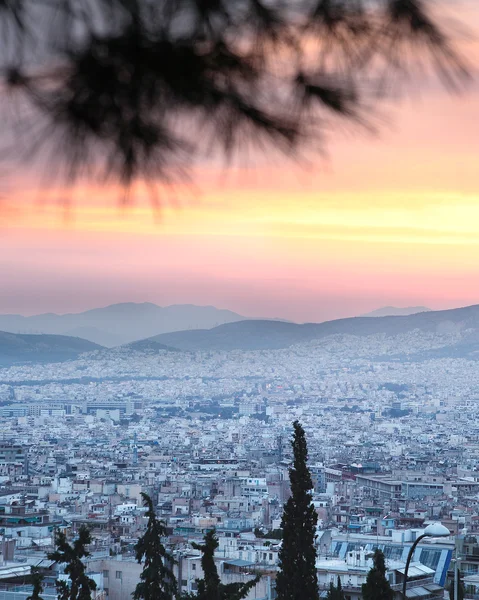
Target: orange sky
column 386, row 220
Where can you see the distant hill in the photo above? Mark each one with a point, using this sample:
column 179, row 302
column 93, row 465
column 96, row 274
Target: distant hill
column 257, row 335
column 150, row 345
column 121, row 323
column 24, row 348
column 394, row 311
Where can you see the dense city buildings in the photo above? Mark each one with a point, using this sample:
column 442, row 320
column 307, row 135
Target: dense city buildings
column 393, row 445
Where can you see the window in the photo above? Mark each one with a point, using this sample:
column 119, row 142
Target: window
column 193, row 566
column 184, row 582
column 106, row 574
column 118, row 574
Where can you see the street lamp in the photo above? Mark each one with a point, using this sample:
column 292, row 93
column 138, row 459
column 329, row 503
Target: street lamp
column 432, row 530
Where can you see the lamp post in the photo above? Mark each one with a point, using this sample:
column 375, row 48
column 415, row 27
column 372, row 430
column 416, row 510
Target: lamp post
column 433, row 530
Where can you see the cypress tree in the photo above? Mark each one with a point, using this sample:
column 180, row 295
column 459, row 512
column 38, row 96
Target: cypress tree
column 331, row 592
column 37, row 580
column 335, row 592
column 377, row 586
column 297, row 578
column 210, row 587
column 72, row 556
column 339, row 590
column 157, row 579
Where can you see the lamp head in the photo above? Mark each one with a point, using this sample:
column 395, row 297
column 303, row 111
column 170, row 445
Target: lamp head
column 437, row 530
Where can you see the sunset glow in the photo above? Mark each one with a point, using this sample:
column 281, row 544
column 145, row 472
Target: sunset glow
column 391, row 219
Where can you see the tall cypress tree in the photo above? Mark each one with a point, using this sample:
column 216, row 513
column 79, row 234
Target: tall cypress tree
column 72, row 555
column 297, row 578
column 157, row 579
column 210, row 587
column 377, row 586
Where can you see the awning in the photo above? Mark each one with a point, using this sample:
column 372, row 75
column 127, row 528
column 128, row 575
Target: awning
column 417, row 570
column 14, row 571
column 417, row 592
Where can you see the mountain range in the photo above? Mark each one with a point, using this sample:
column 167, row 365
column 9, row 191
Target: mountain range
column 263, row 335
column 456, row 329
column 121, row 323
column 394, row 311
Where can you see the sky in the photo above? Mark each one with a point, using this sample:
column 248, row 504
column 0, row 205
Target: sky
column 387, row 219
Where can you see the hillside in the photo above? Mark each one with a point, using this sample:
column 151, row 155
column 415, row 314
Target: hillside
column 257, row 335
column 121, row 323
column 150, row 345
column 394, row 311
column 24, row 348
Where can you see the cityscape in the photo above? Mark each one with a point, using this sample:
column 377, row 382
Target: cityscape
column 393, row 446
column 239, row 300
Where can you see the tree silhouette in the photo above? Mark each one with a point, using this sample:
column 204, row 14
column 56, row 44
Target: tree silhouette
column 37, row 580
column 157, row 581
column 460, row 588
column 377, row 586
column 297, row 578
column 72, row 555
column 335, row 592
column 141, row 89
column 210, row 587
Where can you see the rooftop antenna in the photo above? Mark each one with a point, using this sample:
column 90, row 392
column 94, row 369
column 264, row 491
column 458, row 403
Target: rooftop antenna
column 135, row 450
column 279, row 447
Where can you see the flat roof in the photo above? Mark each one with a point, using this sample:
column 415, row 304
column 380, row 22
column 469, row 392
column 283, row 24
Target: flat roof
column 237, row 562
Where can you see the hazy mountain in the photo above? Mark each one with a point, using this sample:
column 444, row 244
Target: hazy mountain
column 256, row 335
column 394, row 311
column 121, row 323
column 24, row 348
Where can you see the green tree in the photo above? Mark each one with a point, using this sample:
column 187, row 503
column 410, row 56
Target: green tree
column 157, row 581
column 331, row 591
column 80, row 586
column 335, row 592
column 377, row 586
column 460, row 588
column 297, row 578
column 37, row 580
column 210, row 587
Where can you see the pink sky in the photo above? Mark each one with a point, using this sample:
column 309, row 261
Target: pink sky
column 386, row 220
